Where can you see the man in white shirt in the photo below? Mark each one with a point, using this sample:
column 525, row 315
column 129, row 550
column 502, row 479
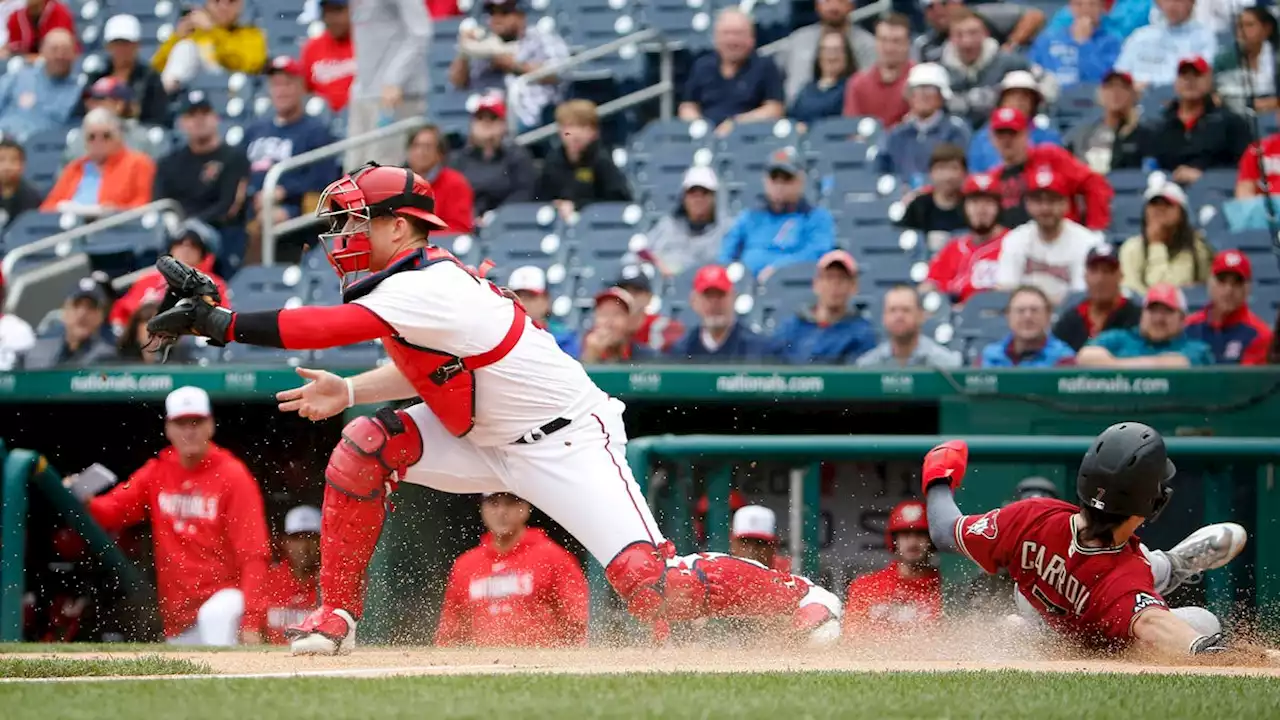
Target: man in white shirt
column 16, row 336
column 1050, row 251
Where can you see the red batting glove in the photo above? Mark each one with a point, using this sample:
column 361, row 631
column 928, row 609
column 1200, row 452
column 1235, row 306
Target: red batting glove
column 946, row 462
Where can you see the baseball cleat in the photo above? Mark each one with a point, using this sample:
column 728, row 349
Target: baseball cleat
column 1210, row 547
column 818, row 617
column 327, row 631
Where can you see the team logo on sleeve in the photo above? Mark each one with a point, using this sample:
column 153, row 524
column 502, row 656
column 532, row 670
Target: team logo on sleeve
column 984, row 526
column 1142, row 601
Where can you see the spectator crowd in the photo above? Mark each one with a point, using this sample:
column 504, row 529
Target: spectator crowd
column 1009, row 198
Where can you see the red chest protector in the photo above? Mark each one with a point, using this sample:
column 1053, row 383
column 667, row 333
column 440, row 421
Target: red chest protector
column 445, row 382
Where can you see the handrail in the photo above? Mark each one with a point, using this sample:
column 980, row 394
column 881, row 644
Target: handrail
column 272, row 180
column 859, row 14
column 120, row 218
column 582, row 58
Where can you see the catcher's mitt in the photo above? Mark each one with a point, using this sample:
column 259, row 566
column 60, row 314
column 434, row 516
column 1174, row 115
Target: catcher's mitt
column 190, row 306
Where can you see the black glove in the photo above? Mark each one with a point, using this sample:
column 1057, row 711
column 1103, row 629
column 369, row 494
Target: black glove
column 192, row 316
column 184, row 282
column 1207, row 644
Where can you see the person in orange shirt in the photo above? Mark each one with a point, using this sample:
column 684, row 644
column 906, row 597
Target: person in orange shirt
column 518, row 588
column 110, row 176
column 907, row 593
column 293, row 584
column 754, row 536
column 207, row 524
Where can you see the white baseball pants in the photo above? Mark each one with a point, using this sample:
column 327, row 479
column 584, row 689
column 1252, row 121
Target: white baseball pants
column 578, row 476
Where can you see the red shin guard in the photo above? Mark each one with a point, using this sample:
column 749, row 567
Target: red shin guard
column 349, row 530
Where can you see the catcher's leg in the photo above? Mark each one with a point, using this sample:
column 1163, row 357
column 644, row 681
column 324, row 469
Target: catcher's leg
column 579, row 476
column 375, row 454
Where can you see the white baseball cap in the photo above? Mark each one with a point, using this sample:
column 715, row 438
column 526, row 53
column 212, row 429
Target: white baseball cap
column 1169, row 191
column 755, row 521
column 185, row 402
column 700, row 176
column 302, row 519
column 122, row 27
column 930, row 75
column 529, row 278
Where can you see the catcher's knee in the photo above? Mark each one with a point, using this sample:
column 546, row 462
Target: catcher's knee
column 654, row 584
column 373, row 452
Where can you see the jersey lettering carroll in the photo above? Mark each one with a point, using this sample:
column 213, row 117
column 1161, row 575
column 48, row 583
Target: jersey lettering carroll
column 1092, row 595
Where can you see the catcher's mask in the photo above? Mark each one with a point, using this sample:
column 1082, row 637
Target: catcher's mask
column 350, row 204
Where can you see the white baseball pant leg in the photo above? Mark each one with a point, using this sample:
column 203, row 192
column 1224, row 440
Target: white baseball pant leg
column 450, row 463
column 579, row 476
column 217, row 621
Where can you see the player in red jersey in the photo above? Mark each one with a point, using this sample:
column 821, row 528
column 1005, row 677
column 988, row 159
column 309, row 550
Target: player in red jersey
column 907, row 593
column 1082, row 569
column 967, row 264
column 503, row 410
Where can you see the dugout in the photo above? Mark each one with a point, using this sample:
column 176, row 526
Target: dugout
column 114, row 417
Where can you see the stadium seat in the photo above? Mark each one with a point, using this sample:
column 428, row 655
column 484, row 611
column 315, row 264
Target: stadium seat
column 259, row 287
column 449, row 110
column 44, row 156
column 1197, row 297
column 1249, row 241
column 844, row 130
column 868, row 241
column 683, row 26
column 520, row 216
column 1128, row 182
column 364, row 355
column 883, row 271
column 32, row 226
column 607, row 216
column 1266, row 268
column 254, row 355
column 524, row 247
column 1076, row 103
column 836, row 156
column 669, row 134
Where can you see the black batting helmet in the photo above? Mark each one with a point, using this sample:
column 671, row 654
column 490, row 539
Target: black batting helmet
column 1126, row 472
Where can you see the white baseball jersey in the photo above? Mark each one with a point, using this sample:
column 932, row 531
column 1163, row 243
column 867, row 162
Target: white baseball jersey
column 442, row 307
column 1056, row 267
column 16, row 337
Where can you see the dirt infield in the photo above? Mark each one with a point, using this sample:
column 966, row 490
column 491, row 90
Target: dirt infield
column 387, row 662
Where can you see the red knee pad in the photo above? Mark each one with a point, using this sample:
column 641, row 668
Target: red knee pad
column 740, row 588
column 349, row 531
column 637, row 573
column 374, row 451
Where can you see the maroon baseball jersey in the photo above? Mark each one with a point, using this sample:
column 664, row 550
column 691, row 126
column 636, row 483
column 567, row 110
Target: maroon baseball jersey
column 1090, row 594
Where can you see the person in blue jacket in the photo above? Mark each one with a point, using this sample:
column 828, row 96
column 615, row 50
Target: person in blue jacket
column 1029, row 342
column 1082, row 52
column 1121, row 20
column 286, row 132
column 718, row 336
column 1019, row 89
column 829, row 331
column 785, row 229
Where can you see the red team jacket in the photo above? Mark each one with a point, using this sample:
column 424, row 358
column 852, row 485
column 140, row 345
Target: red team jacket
column 963, row 267
column 329, row 66
column 288, row 601
column 24, row 38
column 1092, row 595
column 884, row 600
column 208, row 527
column 532, row 595
column 1241, row 338
column 1090, row 192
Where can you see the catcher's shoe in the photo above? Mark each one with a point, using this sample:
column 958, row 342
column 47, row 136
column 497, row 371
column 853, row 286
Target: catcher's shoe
column 818, row 616
column 327, row 631
column 1210, row 547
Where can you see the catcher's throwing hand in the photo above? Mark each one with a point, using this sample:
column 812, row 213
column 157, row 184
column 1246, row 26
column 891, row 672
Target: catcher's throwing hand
column 324, row 396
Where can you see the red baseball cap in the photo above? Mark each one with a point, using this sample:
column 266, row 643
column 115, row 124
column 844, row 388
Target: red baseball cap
column 1113, row 74
column 1233, row 261
column 712, row 277
column 1007, row 118
column 1167, row 295
column 1043, row 178
column 287, row 65
column 981, row 184
column 492, row 103
column 1195, row 62
column 841, row 258
column 618, row 294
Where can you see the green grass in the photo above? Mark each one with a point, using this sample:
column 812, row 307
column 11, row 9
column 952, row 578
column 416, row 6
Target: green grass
column 70, row 648
column 77, row 667
column 773, row 696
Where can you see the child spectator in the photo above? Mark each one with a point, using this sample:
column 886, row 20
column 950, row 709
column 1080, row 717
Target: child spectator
column 580, row 171
column 938, row 206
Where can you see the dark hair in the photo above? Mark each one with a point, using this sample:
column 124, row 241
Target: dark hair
column 128, row 343
column 434, row 130
column 420, row 227
column 1029, row 290
column 903, row 287
column 1262, row 15
column 12, row 144
column 946, row 152
column 1101, row 525
column 896, row 19
column 1183, row 240
column 961, row 13
column 850, row 63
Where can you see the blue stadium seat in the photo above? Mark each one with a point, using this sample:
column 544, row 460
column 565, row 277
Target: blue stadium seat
column 1197, row 297
column 44, row 156
column 745, row 157
column 259, row 287
column 981, row 321
column 524, row 247
column 254, row 355
column 660, row 134
column 604, row 251
column 886, row 270
column 837, row 156
column 512, row 217
column 364, row 355
column 873, row 212
column 1249, row 241
column 1075, row 103
column 868, row 241
column 608, row 216
column 30, row 227
column 658, row 177
column 768, row 133
column 845, row 130
column 1266, row 269
column 1128, row 182
column 681, row 25
column 842, row 189
column 449, row 111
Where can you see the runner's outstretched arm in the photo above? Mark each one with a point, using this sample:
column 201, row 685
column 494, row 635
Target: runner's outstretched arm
column 943, row 470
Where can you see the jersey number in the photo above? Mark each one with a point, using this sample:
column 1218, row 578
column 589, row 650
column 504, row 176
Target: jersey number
column 1048, row 604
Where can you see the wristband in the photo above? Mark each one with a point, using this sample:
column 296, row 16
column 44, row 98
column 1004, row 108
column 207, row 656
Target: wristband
column 351, row 393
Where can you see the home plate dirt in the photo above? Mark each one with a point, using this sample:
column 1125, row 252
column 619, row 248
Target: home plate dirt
column 386, row 662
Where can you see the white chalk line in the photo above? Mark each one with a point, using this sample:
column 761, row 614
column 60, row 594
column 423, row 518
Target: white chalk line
column 339, row 672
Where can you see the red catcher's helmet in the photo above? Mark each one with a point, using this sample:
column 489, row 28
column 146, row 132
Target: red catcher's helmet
column 350, row 203
column 907, row 516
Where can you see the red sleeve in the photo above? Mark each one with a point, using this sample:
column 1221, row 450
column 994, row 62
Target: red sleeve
column 1249, row 164
column 943, row 268
column 1123, row 599
column 988, row 540
column 307, row 60
column 851, row 98
column 1257, row 351
column 572, row 597
column 1095, row 189
column 309, row 328
column 455, row 626
column 126, row 503
column 246, row 524
column 123, row 309
column 222, row 290
column 15, row 31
